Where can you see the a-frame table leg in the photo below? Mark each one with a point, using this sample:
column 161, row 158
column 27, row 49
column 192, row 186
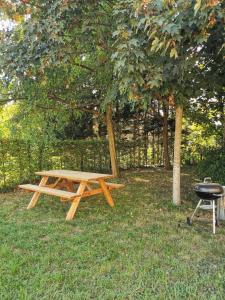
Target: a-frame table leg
column 36, row 195
column 76, row 201
column 106, row 193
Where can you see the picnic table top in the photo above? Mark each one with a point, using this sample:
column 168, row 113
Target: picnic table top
column 74, row 175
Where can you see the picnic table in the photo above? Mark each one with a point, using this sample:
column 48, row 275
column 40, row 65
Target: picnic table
column 88, row 184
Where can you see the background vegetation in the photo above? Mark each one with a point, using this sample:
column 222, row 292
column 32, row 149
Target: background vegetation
column 64, row 63
column 74, row 77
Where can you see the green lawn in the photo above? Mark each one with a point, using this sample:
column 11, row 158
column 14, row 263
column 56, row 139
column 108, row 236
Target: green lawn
column 141, row 249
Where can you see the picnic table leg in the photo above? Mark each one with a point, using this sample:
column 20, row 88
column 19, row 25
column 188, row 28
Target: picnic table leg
column 76, row 201
column 106, row 193
column 37, row 194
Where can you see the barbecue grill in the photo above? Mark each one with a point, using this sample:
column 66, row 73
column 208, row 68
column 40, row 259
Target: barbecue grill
column 210, row 195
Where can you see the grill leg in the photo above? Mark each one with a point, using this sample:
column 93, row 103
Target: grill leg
column 192, row 216
column 214, row 217
column 218, row 207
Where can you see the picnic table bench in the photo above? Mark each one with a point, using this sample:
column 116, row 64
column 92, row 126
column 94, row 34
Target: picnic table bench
column 67, row 179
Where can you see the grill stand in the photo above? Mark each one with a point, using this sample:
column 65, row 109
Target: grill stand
column 208, row 205
column 222, row 206
column 217, row 210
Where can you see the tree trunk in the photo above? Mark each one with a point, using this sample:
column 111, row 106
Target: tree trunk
column 166, row 158
column 224, row 125
column 146, row 149
column 112, row 145
column 158, row 148
column 95, row 126
column 153, row 148
column 177, row 156
column 145, row 140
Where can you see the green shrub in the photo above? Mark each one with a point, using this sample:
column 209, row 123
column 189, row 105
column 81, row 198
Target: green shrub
column 213, row 165
column 20, row 159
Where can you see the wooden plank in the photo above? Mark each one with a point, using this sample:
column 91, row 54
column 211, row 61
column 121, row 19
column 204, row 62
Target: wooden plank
column 74, row 175
column 76, row 201
column 111, row 185
column 92, row 192
column 87, row 194
column 36, row 195
column 115, row 185
column 48, row 191
column 97, row 191
column 106, row 192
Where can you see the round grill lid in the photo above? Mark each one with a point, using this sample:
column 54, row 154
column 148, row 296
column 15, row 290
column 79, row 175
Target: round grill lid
column 212, row 188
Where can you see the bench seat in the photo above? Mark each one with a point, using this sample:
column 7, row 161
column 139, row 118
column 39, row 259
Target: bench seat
column 48, row 191
column 110, row 185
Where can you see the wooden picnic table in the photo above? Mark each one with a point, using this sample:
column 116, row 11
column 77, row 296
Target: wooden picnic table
column 89, row 184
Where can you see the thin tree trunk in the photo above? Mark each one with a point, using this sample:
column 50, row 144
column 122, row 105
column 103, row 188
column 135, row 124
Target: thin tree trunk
column 177, row 156
column 146, row 149
column 112, row 145
column 222, row 203
column 158, row 131
column 139, row 144
column 153, row 147
column 158, row 148
column 41, row 155
column 95, row 125
column 223, row 125
column 166, row 158
column 135, row 143
column 145, row 140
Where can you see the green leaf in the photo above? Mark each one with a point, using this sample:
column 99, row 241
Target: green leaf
column 155, row 44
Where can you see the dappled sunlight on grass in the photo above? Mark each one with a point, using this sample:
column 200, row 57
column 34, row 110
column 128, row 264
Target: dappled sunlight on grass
column 138, row 179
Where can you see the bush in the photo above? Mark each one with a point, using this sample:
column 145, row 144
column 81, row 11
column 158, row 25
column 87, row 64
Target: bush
column 213, row 165
column 20, row 159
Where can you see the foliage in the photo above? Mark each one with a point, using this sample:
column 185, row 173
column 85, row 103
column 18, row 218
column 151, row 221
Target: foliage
column 59, row 55
column 20, row 159
column 159, row 44
column 213, row 165
column 61, row 58
column 197, row 139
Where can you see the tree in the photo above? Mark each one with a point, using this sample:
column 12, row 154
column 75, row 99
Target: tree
column 112, row 146
column 155, row 54
column 59, row 54
column 159, row 44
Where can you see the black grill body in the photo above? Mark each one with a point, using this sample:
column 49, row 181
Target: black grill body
column 208, row 191
column 210, row 195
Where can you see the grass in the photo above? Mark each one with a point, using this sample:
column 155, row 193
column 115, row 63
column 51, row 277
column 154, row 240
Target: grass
column 141, row 249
